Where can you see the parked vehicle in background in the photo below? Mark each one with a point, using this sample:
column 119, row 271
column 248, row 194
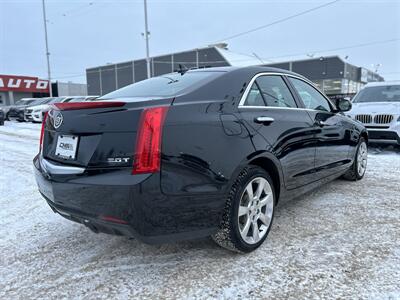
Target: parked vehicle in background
column 36, row 113
column 20, row 102
column 377, row 107
column 6, row 108
column 81, row 98
column 17, row 111
column 2, row 116
column 29, row 110
column 207, row 152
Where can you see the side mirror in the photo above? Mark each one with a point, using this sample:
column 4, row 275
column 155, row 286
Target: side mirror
column 343, row 104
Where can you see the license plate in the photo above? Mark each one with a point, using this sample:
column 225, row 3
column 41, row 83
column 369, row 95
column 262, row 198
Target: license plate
column 66, row 146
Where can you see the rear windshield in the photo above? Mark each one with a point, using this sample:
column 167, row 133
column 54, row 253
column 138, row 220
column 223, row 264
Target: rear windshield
column 163, row 86
column 389, row 93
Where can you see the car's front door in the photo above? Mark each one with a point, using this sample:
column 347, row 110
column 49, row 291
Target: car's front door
column 272, row 111
column 332, row 129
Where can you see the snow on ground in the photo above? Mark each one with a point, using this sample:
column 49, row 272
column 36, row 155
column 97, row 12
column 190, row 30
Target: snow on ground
column 340, row 241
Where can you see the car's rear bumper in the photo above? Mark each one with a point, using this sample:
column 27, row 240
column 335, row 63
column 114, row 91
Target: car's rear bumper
column 119, row 203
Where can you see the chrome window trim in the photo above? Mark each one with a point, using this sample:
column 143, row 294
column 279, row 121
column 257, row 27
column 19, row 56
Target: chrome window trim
column 247, row 91
column 282, row 108
column 276, row 107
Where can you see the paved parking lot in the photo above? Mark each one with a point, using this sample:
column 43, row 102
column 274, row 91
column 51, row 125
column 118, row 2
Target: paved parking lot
column 340, row 241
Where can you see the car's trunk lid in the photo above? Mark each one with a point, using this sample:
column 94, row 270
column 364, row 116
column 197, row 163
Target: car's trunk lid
column 95, row 136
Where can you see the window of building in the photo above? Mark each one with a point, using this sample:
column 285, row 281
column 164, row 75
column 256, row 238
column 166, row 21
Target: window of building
column 332, row 86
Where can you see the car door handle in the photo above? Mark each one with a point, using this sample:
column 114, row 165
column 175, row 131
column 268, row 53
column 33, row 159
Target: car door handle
column 320, row 123
column 264, row 120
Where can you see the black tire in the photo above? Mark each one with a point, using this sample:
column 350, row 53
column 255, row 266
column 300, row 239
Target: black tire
column 353, row 173
column 1, row 123
column 228, row 235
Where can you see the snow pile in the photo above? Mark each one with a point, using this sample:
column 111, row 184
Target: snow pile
column 340, row 241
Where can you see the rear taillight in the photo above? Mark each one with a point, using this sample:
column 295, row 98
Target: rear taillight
column 42, row 131
column 147, row 157
column 87, row 105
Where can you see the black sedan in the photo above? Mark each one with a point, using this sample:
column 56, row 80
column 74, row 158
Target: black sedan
column 17, row 111
column 207, row 152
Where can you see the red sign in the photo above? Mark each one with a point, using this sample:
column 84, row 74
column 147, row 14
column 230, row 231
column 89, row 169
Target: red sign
column 23, row 84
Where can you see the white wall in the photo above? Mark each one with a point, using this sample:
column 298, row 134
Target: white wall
column 71, row 89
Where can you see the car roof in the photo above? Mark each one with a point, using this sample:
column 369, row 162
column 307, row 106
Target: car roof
column 248, row 71
column 259, row 68
column 382, row 83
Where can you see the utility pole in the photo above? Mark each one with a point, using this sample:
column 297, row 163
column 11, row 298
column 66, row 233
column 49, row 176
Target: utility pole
column 47, row 49
column 146, row 37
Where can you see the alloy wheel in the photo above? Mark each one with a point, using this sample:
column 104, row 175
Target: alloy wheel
column 255, row 210
column 362, row 157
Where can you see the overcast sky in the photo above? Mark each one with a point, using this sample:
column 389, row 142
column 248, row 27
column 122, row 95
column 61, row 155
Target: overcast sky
column 83, row 35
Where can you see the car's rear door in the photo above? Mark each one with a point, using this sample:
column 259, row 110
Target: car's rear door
column 332, row 129
column 271, row 109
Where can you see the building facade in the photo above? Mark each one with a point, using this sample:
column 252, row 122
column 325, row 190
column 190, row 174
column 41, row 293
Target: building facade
column 68, row 89
column 331, row 74
column 15, row 87
column 104, row 79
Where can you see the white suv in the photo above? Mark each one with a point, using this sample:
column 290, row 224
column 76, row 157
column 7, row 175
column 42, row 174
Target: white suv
column 36, row 113
column 377, row 106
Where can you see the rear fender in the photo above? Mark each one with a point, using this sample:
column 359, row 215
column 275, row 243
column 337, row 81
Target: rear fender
column 252, row 159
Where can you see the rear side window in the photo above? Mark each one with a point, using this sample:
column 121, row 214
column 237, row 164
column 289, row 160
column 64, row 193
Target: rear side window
column 275, row 91
column 270, row 90
column 163, row 86
column 254, row 97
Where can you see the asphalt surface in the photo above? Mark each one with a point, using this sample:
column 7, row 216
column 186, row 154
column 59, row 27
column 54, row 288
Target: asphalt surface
column 340, row 241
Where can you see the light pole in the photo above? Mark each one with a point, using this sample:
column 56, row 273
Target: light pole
column 47, row 48
column 146, row 37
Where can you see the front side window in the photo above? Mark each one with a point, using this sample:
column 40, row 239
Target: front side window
column 311, row 98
